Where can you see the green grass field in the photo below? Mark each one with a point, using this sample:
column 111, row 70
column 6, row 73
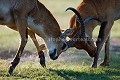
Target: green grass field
column 69, row 69
column 71, row 65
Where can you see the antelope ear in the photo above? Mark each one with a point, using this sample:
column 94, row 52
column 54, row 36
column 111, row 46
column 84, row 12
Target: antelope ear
column 68, row 32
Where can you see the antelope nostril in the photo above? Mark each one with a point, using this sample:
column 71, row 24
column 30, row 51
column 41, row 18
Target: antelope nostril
column 53, row 54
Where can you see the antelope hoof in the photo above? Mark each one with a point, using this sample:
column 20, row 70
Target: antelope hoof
column 104, row 64
column 11, row 68
column 94, row 66
column 42, row 60
column 13, row 65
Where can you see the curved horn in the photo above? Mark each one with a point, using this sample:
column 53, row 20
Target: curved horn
column 86, row 21
column 71, row 42
column 80, row 20
column 77, row 13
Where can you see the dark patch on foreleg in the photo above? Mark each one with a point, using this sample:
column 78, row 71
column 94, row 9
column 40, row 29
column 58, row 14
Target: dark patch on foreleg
column 101, row 32
column 42, row 58
column 13, row 65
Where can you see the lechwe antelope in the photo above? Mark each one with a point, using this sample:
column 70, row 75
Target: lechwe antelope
column 29, row 17
column 105, row 12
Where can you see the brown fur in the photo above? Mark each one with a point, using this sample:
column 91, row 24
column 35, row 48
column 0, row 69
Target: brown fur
column 105, row 10
column 31, row 17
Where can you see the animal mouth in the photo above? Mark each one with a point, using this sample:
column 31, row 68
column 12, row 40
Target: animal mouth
column 54, row 58
column 53, row 55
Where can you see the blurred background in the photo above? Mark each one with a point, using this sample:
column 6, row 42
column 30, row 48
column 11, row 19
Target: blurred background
column 9, row 40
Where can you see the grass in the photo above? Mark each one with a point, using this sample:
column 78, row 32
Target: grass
column 71, row 69
column 65, row 68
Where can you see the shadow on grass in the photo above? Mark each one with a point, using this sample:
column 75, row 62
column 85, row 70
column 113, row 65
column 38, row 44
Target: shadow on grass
column 106, row 73
column 75, row 75
column 111, row 72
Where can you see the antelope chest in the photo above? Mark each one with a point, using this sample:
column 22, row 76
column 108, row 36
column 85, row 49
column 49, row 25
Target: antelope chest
column 38, row 28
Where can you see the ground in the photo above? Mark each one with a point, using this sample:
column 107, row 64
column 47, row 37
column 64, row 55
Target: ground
column 71, row 65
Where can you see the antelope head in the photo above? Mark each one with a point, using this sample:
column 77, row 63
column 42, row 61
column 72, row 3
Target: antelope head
column 80, row 38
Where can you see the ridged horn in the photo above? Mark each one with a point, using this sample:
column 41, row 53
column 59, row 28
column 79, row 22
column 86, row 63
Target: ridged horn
column 80, row 20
